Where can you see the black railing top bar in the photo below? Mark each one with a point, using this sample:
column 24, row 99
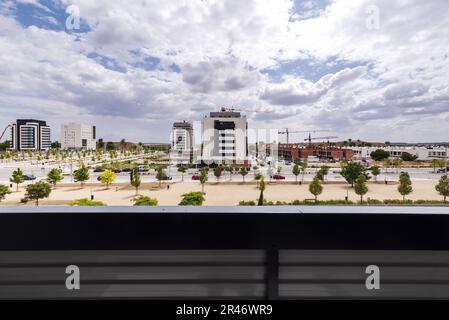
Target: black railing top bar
column 210, row 228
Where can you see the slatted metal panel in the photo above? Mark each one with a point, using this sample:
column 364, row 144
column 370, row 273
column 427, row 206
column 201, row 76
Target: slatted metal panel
column 223, row 274
column 341, row 274
column 131, row 274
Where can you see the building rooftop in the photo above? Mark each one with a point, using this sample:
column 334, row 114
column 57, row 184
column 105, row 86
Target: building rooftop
column 182, row 125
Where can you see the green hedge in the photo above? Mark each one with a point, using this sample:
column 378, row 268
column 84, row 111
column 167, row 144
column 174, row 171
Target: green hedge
column 347, row 203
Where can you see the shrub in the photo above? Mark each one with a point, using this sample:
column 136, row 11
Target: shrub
column 247, row 203
column 86, row 203
column 374, row 202
column 192, row 199
column 430, row 202
column 397, row 202
column 145, row 201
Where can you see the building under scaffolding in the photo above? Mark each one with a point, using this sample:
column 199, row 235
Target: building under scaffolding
column 300, row 152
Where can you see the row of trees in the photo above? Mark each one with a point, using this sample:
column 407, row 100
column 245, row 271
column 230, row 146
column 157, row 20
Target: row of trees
column 34, row 192
column 361, row 188
column 381, row 155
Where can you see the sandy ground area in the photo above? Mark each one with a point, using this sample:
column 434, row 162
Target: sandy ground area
column 229, row 194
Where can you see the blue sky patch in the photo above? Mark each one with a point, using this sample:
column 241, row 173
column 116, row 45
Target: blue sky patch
column 48, row 15
column 310, row 69
column 106, row 62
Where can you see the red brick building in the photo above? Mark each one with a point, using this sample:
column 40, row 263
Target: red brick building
column 294, row 152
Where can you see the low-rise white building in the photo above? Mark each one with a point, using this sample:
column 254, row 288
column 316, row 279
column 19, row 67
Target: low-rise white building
column 76, row 136
column 423, row 153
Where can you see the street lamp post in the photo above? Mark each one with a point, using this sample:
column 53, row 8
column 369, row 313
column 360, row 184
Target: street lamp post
column 71, row 170
column 445, row 157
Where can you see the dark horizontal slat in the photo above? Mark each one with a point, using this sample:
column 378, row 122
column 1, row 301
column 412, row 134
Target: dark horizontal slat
column 135, row 273
column 322, row 274
column 131, row 257
column 134, row 291
column 338, row 257
column 412, row 291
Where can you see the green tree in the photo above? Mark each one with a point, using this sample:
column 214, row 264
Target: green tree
column 218, row 171
column 204, row 176
column 408, row 157
column 443, row 187
column 39, row 190
column 360, row 187
column 316, row 188
column 160, row 175
column 54, row 176
column 296, row 171
column 375, row 171
column 5, row 145
column 435, row 165
column 183, row 169
column 323, row 172
column 4, row 190
column 380, row 155
column 397, row 163
column 108, row 177
column 230, row 169
column 110, row 146
column 135, row 179
column 405, row 185
column 262, row 187
column 86, row 203
column 351, row 171
column 55, row 145
column 81, row 175
column 144, row 201
column 386, row 164
column 258, row 176
column 243, row 172
column 304, row 166
column 192, row 199
column 17, row 178
column 442, row 163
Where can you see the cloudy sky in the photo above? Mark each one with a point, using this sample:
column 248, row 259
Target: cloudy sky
column 366, row 69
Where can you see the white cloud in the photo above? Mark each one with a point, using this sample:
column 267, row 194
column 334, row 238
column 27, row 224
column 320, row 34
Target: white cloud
column 221, row 48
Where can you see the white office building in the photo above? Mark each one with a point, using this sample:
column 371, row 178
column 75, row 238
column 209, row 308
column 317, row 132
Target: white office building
column 181, row 142
column 32, row 135
column 76, row 136
column 225, row 138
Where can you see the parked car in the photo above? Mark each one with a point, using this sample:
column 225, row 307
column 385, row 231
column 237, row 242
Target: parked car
column 126, row 170
column 278, row 177
column 117, row 171
column 196, row 178
column 99, row 170
column 167, row 178
column 29, row 178
column 443, row 170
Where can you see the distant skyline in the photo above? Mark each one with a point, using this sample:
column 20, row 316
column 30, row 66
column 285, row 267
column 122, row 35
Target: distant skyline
column 370, row 70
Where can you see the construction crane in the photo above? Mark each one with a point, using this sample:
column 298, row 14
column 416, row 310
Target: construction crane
column 4, row 131
column 288, row 132
column 318, row 138
column 232, row 109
